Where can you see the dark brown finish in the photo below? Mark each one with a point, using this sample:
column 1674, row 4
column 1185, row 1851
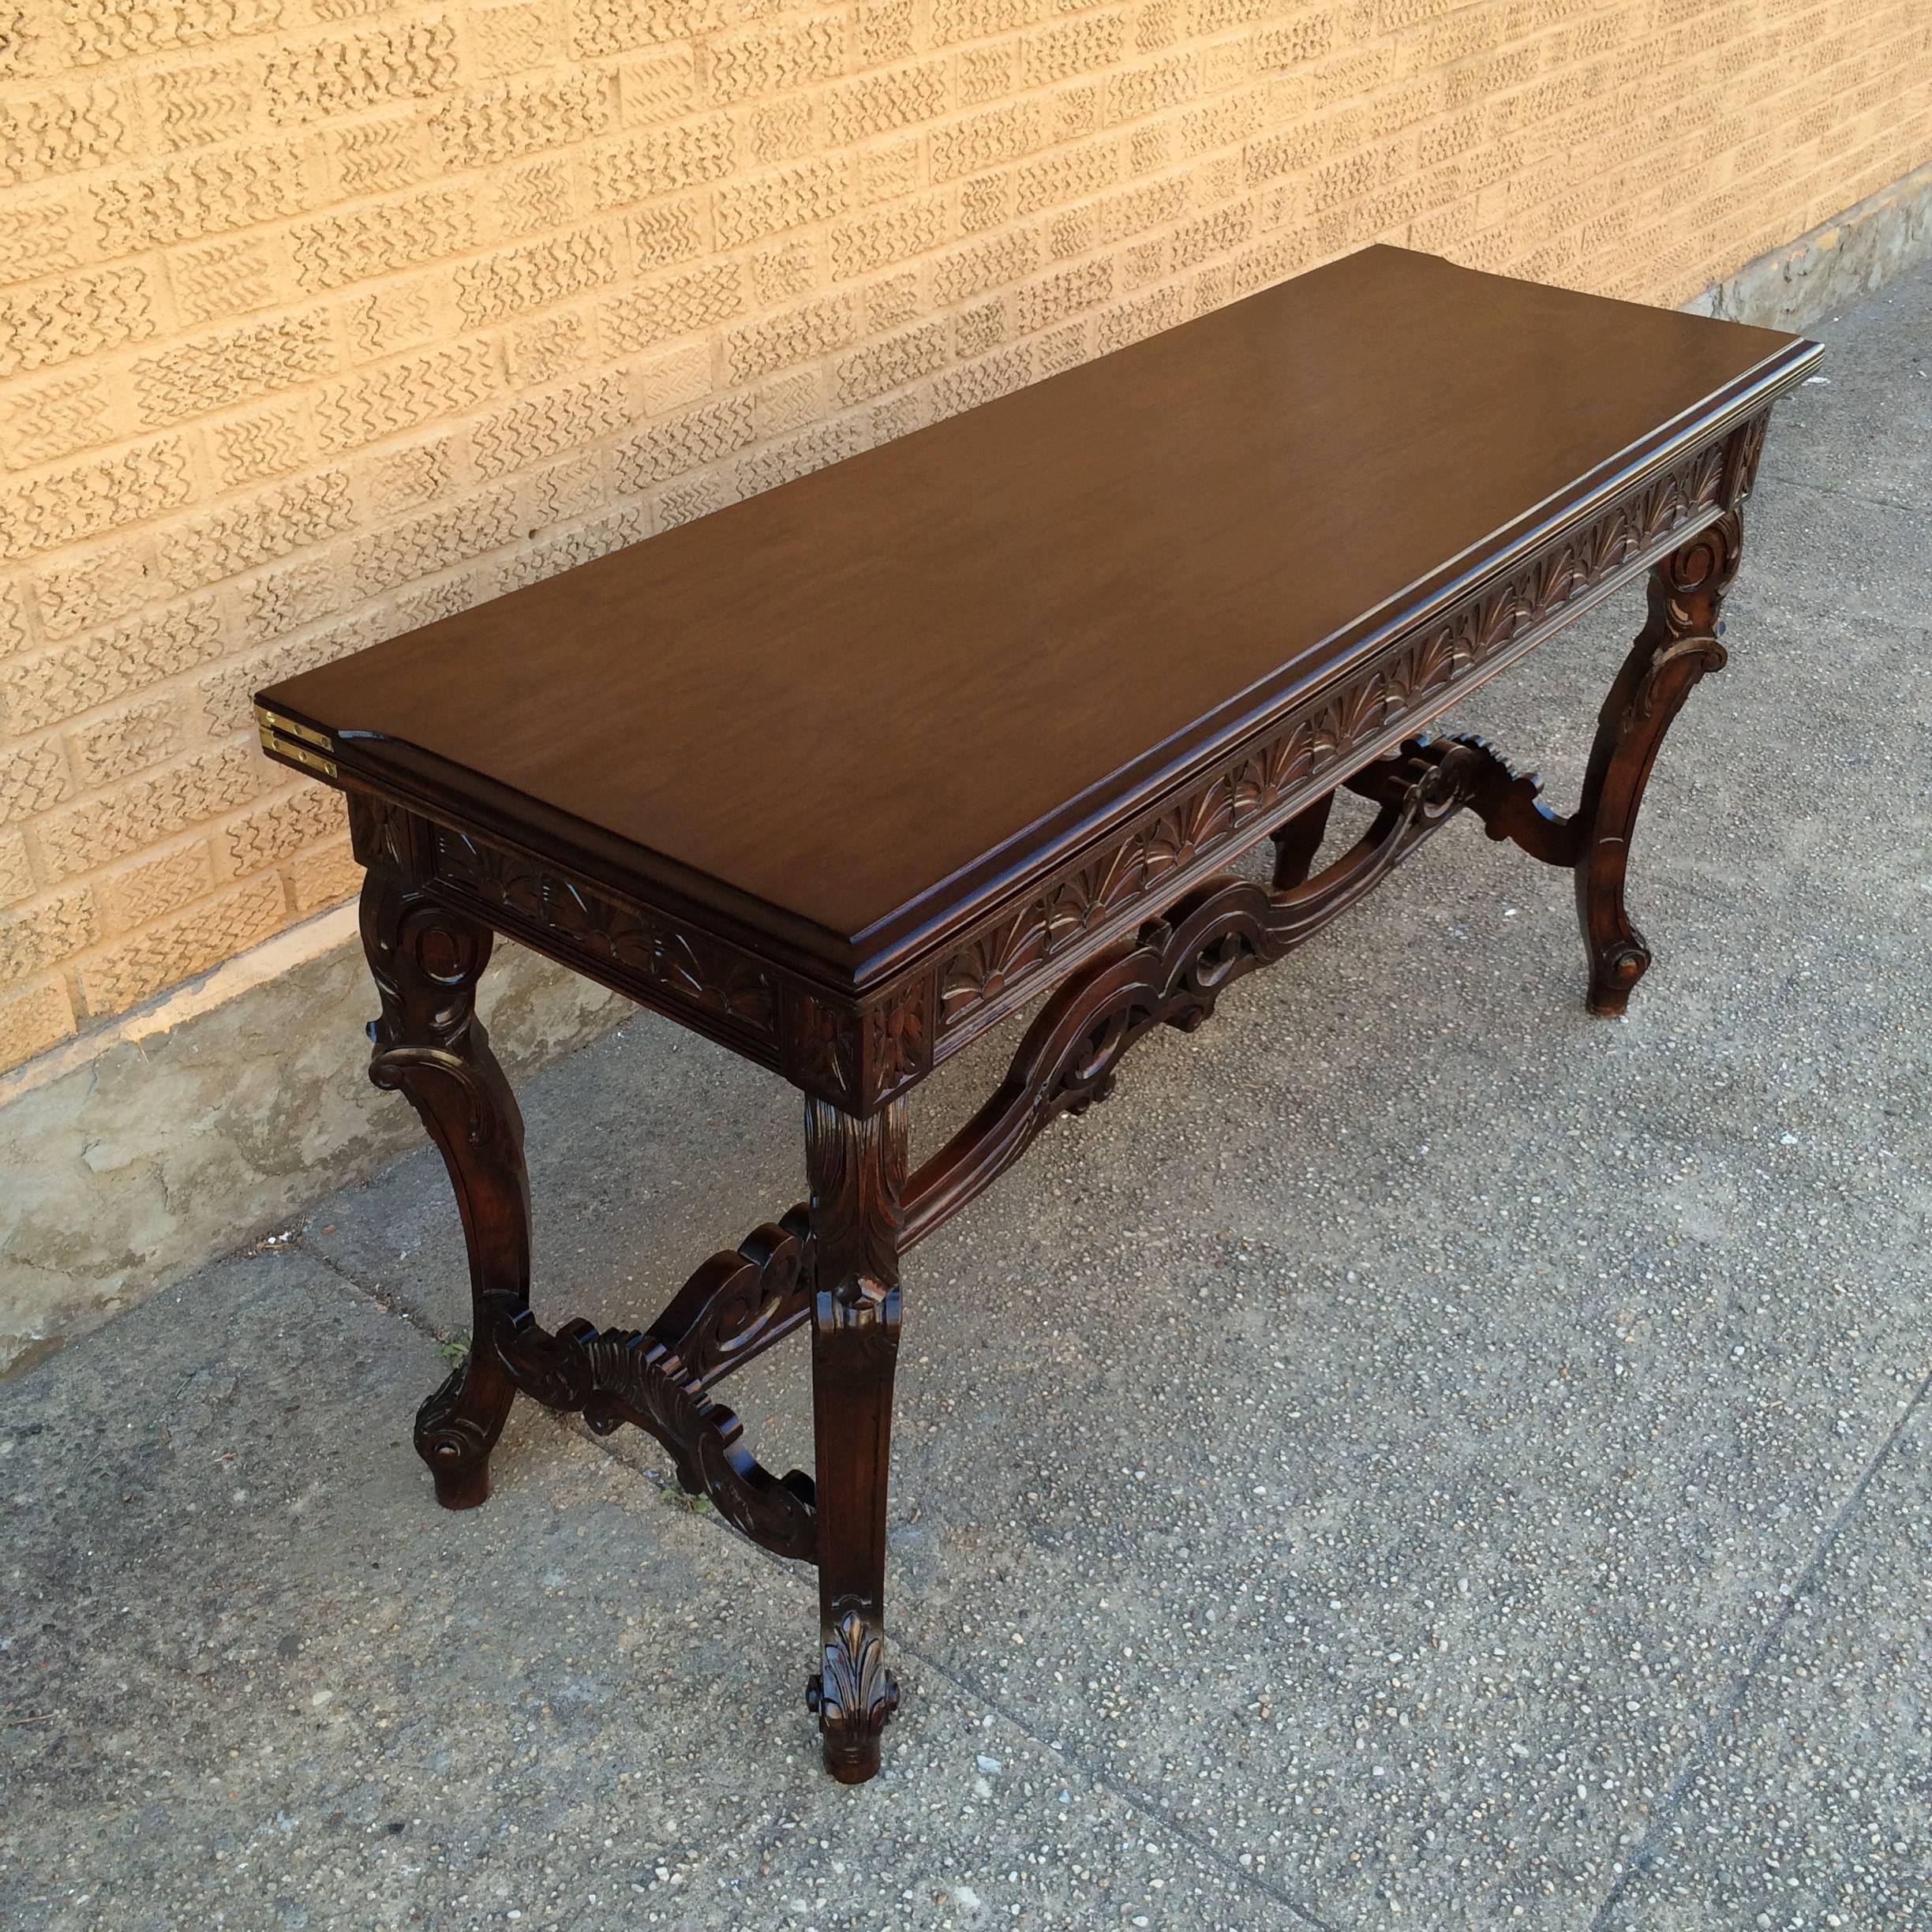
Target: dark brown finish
column 857, row 1168
column 844, row 775
column 426, row 959
column 1675, row 648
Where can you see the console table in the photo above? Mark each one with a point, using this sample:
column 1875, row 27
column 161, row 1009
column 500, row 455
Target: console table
column 844, row 774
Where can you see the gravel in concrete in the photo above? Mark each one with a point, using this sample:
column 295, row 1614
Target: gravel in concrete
column 1421, row 1456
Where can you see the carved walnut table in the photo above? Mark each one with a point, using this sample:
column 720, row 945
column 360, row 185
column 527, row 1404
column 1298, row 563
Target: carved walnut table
column 844, row 775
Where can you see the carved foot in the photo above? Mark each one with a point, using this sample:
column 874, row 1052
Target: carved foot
column 1615, row 972
column 455, row 1445
column 851, row 1697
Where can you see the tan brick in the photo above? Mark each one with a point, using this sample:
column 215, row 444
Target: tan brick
column 747, row 211
column 416, row 547
column 49, row 420
column 279, row 828
column 113, row 825
column 350, row 245
column 877, row 103
column 539, row 426
column 531, row 276
column 474, row 128
column 967, row 387
column 45, row 933
column 612, row 26
column 326, row 878
column 1054, row 298
column 269, row 524
column 891, row 363
column 414, row 60
column 672, row 381
column 204, row 194
column 206, row 101
column 42, row 235
column 981, row 141
column 391, row 360
column 80, row 315
column 791, row 53
column 975, row 19
column 893, row 234
column 676, row 305
column 656, row 86
column 32, row 1020
column 684, row 442
column 174, row 950
column 886, row 30
column 797, row 456
column 970, row 271
column 985, row 73
column 63, row 128
column 34, row 778
column 778, row 341
column 81, row 501
column 513, row 37
column 661, row 160
column 216, row 371
column 108, row 749
column 16, row 872
column 401, row 395
column 95, row 587
column 138, row 894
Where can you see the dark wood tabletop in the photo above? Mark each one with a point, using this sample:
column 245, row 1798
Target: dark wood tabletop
column 844, row 716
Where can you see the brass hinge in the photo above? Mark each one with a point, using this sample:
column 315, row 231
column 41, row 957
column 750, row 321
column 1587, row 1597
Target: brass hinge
column 283, row 738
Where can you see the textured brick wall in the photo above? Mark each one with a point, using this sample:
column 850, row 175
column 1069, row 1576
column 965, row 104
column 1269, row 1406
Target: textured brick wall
column 321, row 318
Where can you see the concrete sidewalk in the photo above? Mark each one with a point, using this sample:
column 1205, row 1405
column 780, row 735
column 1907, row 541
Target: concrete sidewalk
column 1421, row 1456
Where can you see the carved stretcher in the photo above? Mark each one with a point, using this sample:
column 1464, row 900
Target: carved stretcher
column 846, row 774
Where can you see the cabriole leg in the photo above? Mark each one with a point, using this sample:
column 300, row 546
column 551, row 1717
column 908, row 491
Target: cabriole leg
column 857, row 1169
column 430, row 1046
column 1675, row 648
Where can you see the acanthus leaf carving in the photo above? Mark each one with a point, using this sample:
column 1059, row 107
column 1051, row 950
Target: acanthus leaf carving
column 615, row 1376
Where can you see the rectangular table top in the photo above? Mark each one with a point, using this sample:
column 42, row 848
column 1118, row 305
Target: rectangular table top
column 847, row 717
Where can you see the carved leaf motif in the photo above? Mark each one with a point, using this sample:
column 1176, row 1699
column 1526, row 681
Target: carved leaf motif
column 615, row 1376
column 1429, row 665
column 1178, row 838
column 898, row 1031
column 827, row 1043
column 1090, row 895
column 980, row 973
column 854, row 1693
column 687, row 967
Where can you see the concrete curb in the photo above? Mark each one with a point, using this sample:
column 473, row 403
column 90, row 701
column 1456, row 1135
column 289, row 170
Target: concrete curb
column 209, row 1117
column 1835, row 265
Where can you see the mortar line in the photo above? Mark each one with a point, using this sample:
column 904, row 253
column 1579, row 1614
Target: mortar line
column 1703, row 1752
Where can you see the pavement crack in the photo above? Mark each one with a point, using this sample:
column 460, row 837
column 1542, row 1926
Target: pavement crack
column 1850, row 496
column 1702, row 1753
column 1131, row 1795
column 370, row 1292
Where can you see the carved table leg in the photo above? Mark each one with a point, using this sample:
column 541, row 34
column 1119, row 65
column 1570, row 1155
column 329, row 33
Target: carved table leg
column 1674, row 649
column 431, row 1047
column 857, row 1169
